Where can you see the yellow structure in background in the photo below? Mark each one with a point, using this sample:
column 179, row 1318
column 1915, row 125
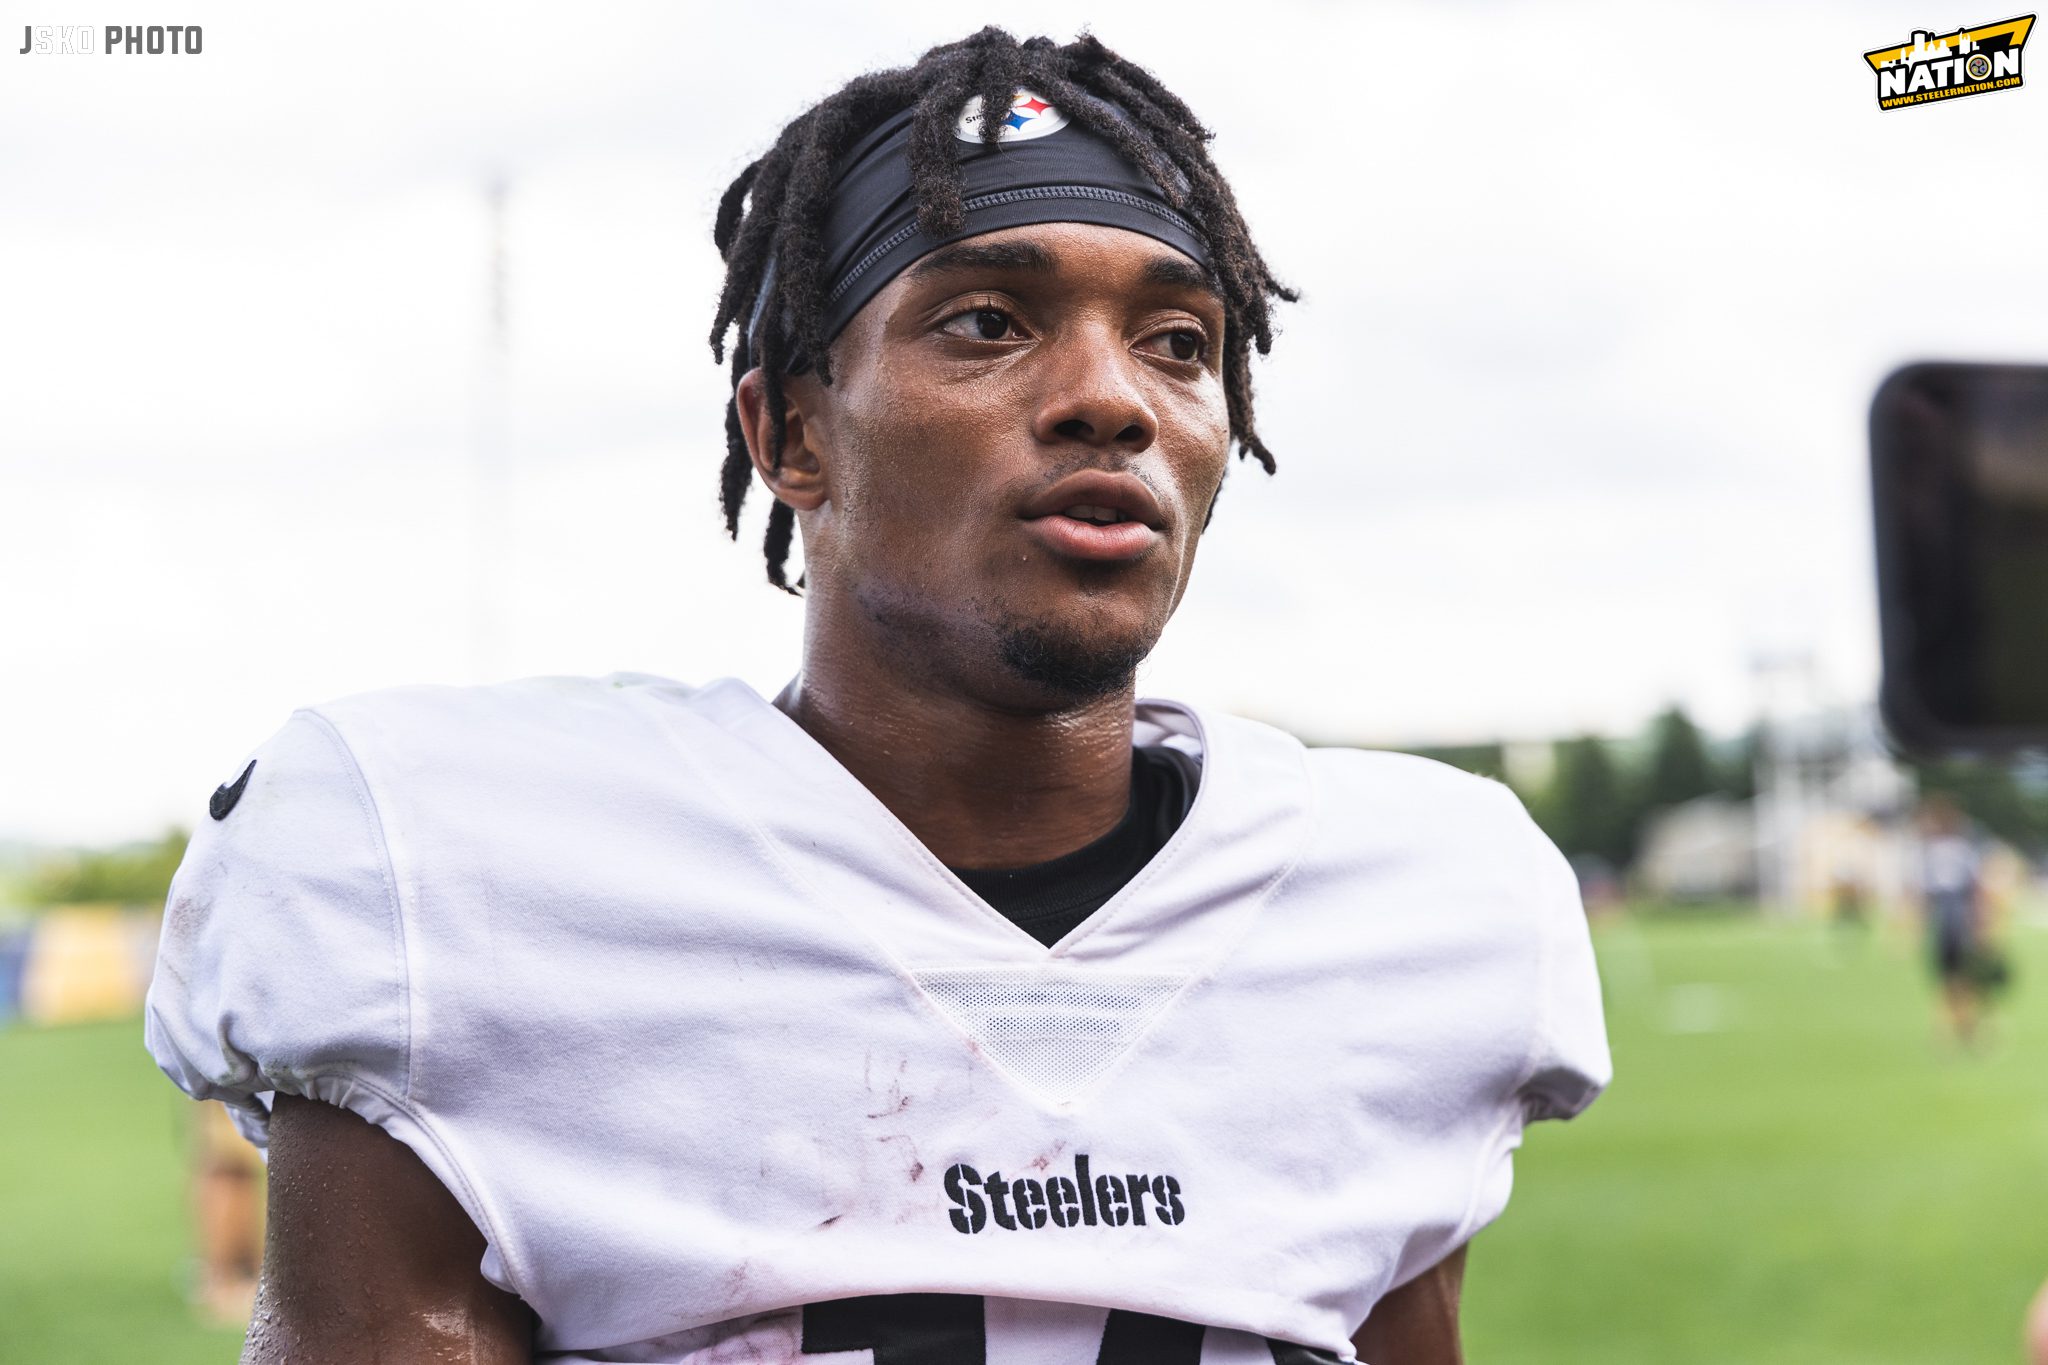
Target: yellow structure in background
column 87, row 963
column 227, row 1216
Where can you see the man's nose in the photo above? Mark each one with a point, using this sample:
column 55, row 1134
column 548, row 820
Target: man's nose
column 1093, row 394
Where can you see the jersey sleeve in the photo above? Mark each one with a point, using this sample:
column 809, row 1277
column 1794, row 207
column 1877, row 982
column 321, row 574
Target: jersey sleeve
column 1569, row 1064
column 282, row 966
column 1566, row 1064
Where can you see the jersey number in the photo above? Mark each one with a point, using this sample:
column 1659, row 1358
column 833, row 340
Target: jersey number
column 946, row 1329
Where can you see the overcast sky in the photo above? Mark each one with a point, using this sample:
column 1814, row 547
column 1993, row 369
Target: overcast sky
column 1570, row 422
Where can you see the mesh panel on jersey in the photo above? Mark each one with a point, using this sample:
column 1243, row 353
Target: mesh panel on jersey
column 1052, row 1030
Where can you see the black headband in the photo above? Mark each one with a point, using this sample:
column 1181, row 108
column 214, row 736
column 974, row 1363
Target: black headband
column 1043, row 170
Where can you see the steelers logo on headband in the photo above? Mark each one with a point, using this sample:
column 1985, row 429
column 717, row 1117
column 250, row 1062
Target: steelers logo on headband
column 871, row 232
column 1029, row 117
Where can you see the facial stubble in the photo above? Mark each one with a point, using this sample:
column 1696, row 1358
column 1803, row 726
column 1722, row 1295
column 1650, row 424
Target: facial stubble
column 1060, row 663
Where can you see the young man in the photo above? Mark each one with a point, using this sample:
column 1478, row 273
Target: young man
column 955, row 1006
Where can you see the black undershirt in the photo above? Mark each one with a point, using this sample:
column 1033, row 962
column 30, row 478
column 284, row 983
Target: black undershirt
column 1047, row 900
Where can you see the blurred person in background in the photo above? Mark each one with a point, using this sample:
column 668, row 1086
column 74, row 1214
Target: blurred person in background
column 953, row 1004
column 1954, row 905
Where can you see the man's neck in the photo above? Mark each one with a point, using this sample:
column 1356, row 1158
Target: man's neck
column 980, row 785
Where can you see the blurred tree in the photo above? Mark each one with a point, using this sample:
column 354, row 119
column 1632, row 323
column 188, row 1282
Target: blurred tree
column 1601, row 793
column 137, row 874
column 1679, row 768
column 1587, row 809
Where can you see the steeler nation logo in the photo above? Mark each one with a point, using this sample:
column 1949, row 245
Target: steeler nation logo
column 1970, row 61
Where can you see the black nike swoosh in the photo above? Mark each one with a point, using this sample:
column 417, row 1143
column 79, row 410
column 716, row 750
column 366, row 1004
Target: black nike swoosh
column 225, row 796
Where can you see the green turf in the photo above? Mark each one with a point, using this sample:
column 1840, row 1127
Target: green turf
column 1788, row 1168
column 1788, row 1172
column 93, row 1243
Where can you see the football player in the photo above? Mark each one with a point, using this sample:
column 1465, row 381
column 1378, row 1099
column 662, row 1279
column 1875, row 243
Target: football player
column 954, row 1005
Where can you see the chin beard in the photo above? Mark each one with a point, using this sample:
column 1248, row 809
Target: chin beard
column 1070, row 665
column 1060, row 665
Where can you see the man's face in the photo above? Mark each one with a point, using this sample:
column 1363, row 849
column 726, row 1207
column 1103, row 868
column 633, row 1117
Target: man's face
column 1014, row 462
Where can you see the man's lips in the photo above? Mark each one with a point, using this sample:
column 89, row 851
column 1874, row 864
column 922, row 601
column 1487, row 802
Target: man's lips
column 1095, row 514
column 1086, row 540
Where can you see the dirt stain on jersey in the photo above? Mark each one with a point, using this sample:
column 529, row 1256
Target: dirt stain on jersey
column 736, row 1281
column 184, row 919
column 1040, row 1163
column 914, row 1169
column 894, row 1101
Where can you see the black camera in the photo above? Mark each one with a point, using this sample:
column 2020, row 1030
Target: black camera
column 1959, row 482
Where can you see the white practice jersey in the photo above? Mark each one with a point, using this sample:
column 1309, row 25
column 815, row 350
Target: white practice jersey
column 726, row 1066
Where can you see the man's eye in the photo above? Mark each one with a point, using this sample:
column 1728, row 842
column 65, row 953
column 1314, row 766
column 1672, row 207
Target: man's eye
column 1183, row 344
column 980, row 324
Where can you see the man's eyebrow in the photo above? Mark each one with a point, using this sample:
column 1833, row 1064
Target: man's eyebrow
column 1178, row 271
column 986, row 256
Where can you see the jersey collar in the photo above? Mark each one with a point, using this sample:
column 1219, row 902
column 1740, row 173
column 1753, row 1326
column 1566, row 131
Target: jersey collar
column 843, row 848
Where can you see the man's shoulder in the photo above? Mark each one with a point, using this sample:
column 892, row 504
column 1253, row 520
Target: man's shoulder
column 1412, row 774
column 503, row 744
column 1385, row 797
column 442, row 717
column 1376, row 775
column 1350, row 779
column 1368, row 803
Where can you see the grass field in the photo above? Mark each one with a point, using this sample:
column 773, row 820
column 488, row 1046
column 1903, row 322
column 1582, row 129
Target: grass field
column 1788, row 1171
column 92, row 1204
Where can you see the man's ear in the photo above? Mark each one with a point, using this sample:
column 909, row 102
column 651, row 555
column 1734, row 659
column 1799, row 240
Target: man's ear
column 799, row 479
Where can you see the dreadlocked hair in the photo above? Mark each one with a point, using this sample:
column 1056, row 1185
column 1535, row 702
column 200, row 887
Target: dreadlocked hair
column 776, row 209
